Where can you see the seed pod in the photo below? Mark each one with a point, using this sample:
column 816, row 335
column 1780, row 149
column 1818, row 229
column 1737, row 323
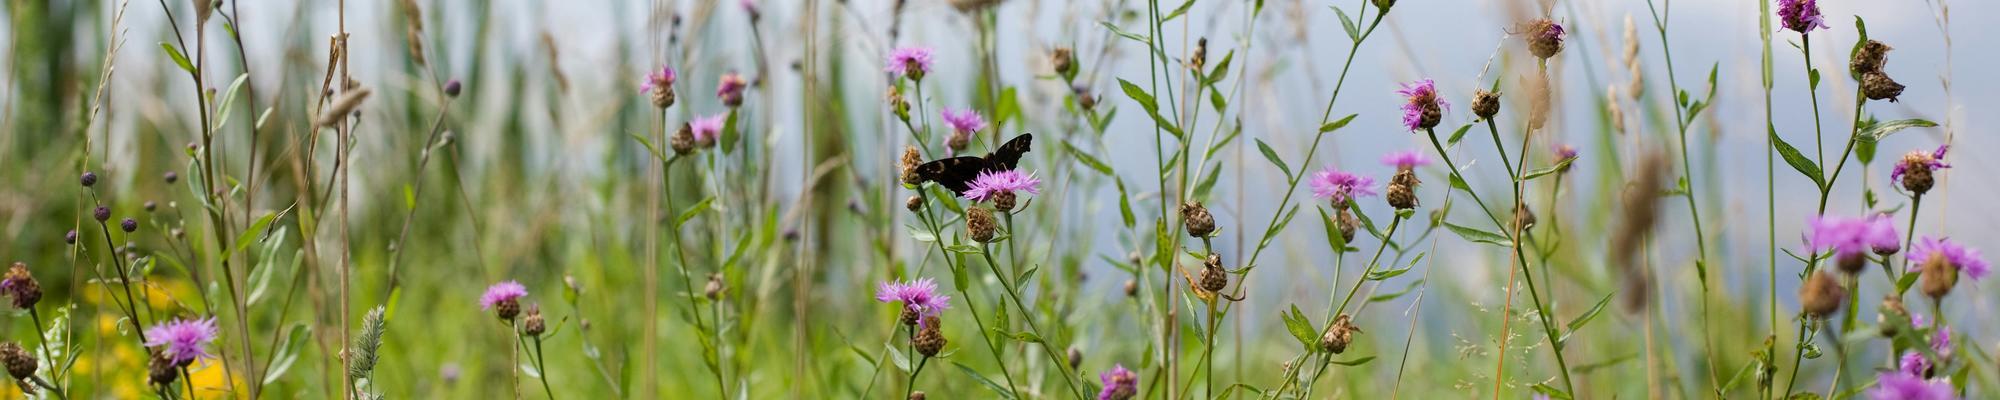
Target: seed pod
column 1199, row 222
column 1213, row 277
column 1821, row 295
column 979, row 224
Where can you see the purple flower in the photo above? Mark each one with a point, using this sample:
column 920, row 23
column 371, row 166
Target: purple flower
column 990, row 183
column 919, row 295
column 1421, row 106
column 658, row 80
column 1914, row 363
column 1408, row 159
column 1800, row 15
column 1565, row 152
column 730, row 90
column 1341, row 186
column 1119, row 383
column 1850, row 237
column 707, row 129
column 963, row 120
column 913, row 62
column 1553, row 32
column 502, row 292
column 184, row 338
column 1897, row 385
column 1918, row 159
column 1966, row 259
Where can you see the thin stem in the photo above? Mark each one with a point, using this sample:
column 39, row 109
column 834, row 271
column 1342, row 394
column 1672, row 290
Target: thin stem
column 542, row 366
column 970, row 302
column 912, row 387
column 1028, row 315
column 41, row 333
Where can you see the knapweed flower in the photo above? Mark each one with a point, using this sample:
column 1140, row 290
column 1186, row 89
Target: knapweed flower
column 1119, row 383
column 1942, row 261
column 1914, row 172
column 1545, row 38
column 707, row 129
column 1851, row 238
column 1408, row 159
column 1341, row 186
column 1897, row 385
column 1565, row 153
column 1000, row 187
column 919, row 297
column 504, row 299
column 1800, row 15
column 1914, row 362
column 21, row 287
column 20, row 363
column 963, row 121
column 911, row 62
column 661, row 85
column 1422, row 108
column 730, row 90
column 182, row 340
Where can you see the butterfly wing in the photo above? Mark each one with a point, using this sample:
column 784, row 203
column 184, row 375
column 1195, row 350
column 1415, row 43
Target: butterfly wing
column 954, row 173
column 1008, row 155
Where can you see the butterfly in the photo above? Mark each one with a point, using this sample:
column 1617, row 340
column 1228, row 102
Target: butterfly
column 957, row 173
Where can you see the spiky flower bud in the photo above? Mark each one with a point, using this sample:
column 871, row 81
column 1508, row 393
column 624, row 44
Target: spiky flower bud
column 979, row 224
column 20, row 363
column 1402, row 192
column 532, row 324
column 507, row 309
column 683, row 140
column 1485, row 104
column 1939, row 275
column 1878, row 86
column 69, row 238
column 89, row 179
column 1213, row 277
column 909, row 163
column 102, row 213
column 1821, row 295
column 21, row 287
column 1198, row 221
column 929, row 339
column 730, row 89
column 129, row 225
column 1339, row 334
column 1916, row 170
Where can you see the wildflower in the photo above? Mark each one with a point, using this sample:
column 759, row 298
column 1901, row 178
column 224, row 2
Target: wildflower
column 1119, row 383
column 1000, row 187
column 1850, row 239
column 21, row 287
column 1800, row 16
column 20, row 363
column 661, row 85
column 1897, row 385
column 89, row 179
column 929, row 340
column 129, row 225
column 731, row 89
column 1339, row 334
column 1213, row 277
column 963, row 120
column 1341, row 186
column 706, row 130
column 1914, row 172
column 102, row 213
column 1405, row 160
column 1821, row 295
column 909, row 163
column 911, row 62
column 533, row 325
column 1063, row 60
column 683, row 140
column 1198, row 221
column 919, row 297
column 1565, row 153
column 1422, row 108
column 162, row 370
column 182, row 340
column 979, row 224
column 1545, row 38
column 1942, row 260
column 504, row 299
column 1485, row 104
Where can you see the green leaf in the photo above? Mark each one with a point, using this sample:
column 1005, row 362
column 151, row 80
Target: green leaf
column 179, row 59
column 1272, row 155
column 228, row 98
column 1301, row 328
column 1087, row 159
column 1577, row 323
column 1221, row 70
column 1355, row 362
column 1347, row 24
column 1880, row 130
column 1549, row 170
column 963, row 249
column 1392, row 296
column 1458, row 135
column 1798, row 161
column 1552, row 392
column 1201, row 189
column 1178, row 11
column 1125, row 206
column 288, row 354
column 1334, row 240
column 1336, row 125
column 248, row 235
column 1122, row 33
column 1385, row 275
column 1861, row 29
column 1812, row 78
column 1478, row 236
column 1139, row 95
column 983, row 381
column 691, row 211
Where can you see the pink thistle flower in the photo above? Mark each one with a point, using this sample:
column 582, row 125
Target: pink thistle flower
column 919, row 295
column 963, row 120
column 1422, row 107
column 1800, row 15
column 707, row 129
column 1850, row 237
column 1119, row 383
column 912, row 62
column 184, row 340
column 1341, row 186
column 1408, row 159
column 1917, row 159
column 1967, row 259
column 1897, row 385
column 730, row 90
column 1565, row 152
column 658, row 80
column 989, row 184
column 501, row 292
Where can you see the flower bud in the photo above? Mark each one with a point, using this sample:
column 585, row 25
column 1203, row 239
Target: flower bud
column 929, row 341
column 129, row 225
column 1063, row 60
column 532, row 324
column 1545, row 38
column 453, row 87
column 1939, row 276
column 1339, row 334
column 102, row 213
column 1198, row 221
column 1878, row 86
column 21, row 287
column 683, row 140
column 20, row 363
column 914, row 204
column 1821, row 295
column 979, row 224
column 1870, row 59
column 89, row 179
column 714, row 289
column 1131, row 288
column 1485, row 104
column 909, row 163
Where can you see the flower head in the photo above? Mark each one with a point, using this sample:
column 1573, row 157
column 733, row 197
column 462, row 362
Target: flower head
column 1408, row 159
column 707, row 129
column 183, row 339
column 1914, row 171
column 990, row 184
column 918, row 296
column 1421, row 107
column 509, row 291
column 730, row 89
column 1341, row 186
column 1119, row 383
column 1898, row 385
column 963, row 120
column 912, row 62
column 1851, row 237
column 1967, row 260
column 1545, row 38
column 1800, row 15
column 660, row 84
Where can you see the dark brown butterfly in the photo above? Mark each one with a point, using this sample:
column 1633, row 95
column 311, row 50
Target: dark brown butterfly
column 957, row 173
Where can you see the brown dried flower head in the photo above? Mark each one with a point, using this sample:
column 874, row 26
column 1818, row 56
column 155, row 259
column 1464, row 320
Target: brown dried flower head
column 929, row 340
column 1198, row 221
column 1339, row 334
column 1485, row 104
column 1821, row 295
column 979, row 224
column 1939, row 276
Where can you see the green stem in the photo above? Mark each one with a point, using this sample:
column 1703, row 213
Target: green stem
column 1029, row 316
column 970, row 302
